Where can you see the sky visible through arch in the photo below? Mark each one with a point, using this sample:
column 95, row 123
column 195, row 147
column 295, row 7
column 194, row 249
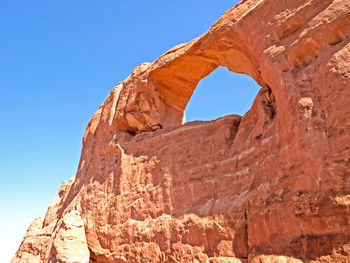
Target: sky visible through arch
column 58, row 61
column 221, row 93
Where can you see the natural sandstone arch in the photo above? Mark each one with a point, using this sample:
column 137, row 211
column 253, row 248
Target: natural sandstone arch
column 155, row 94
column 270, row 186
column 177, row 79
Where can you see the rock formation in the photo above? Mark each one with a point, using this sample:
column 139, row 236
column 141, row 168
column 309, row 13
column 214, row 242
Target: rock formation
column 270, row 186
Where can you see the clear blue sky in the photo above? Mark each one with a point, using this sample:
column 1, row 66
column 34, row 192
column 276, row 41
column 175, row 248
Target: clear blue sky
column 58, row 62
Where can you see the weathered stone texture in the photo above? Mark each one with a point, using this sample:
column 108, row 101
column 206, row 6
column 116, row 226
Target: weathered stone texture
column 270, row 186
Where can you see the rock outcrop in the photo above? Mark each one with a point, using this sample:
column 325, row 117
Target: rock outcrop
column 270, row 186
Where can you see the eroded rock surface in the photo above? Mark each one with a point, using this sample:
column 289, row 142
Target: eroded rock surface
column 270, row 186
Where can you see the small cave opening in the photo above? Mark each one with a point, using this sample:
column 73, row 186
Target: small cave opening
column 221, row 93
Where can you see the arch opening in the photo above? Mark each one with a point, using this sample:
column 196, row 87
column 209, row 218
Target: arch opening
column 221, row 93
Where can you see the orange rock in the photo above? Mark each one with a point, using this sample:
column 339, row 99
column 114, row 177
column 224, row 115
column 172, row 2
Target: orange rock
column 70, row 241
column 270, row 186
column 275, row 259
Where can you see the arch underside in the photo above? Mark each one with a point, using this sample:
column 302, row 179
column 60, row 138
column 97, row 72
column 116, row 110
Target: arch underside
column 177, row 80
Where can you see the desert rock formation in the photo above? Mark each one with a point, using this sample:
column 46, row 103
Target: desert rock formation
column 270, row 186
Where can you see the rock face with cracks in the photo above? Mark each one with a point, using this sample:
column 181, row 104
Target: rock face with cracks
column 270, row 186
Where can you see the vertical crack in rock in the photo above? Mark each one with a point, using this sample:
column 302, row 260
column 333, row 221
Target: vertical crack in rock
column 246, row 232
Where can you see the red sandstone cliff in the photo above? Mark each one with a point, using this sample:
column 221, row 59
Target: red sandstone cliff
column 271, row 186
